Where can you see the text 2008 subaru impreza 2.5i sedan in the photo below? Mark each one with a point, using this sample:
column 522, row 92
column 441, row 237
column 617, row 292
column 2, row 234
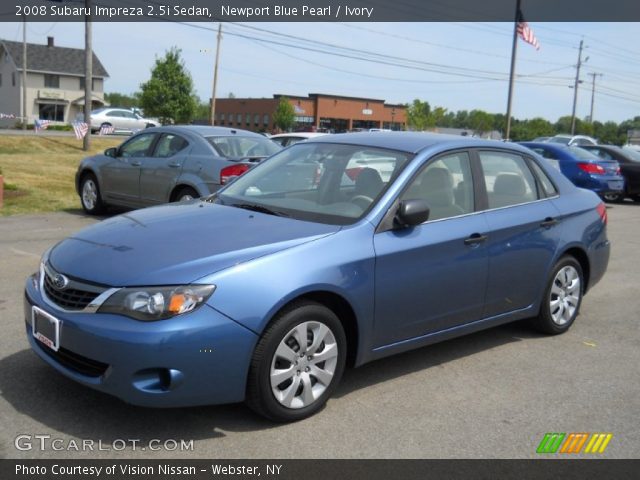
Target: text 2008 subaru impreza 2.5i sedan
column 342, row 249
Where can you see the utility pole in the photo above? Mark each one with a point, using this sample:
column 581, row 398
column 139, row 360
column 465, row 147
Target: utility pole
column 215, row 76
column 88, row 75
column 593, row 92
column 512, row 70
column 575, row 89
column 23, row 113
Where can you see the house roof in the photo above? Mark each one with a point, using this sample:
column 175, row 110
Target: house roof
column 42, row 58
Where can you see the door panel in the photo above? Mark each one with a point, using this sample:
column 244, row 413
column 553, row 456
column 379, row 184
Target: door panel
column 428, row 279
column 160, row 172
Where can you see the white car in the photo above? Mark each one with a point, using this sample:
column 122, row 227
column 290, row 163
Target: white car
column 576, row 140
column 286, row 139
column 121, row 119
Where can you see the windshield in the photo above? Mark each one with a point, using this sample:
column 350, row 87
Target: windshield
column 563, row 140
column 582, row 154
column 631, row 153
column 323, row 182
column 243, row 147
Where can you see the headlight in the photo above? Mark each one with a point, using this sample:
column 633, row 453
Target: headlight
column 156, row 303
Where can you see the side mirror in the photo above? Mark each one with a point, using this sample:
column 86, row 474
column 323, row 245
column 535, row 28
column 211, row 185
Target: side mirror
column 411, row 213
column 111, row 152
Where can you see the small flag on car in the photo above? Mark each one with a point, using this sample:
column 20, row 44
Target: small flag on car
column 80, row 129
column 40, row 125
column 106, row 130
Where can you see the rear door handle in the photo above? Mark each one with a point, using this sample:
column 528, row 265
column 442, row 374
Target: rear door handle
column 136, row 163
column 174, row 165
column 549, row 222
column 475, row 239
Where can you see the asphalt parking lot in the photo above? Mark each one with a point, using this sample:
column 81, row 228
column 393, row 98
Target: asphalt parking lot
column 492, row 394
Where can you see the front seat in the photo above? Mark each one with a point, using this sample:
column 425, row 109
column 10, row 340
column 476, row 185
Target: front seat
column 368, row 183
column 508, row 189
column 436, row 187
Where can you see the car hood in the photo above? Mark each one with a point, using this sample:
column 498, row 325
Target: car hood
column 176, row 244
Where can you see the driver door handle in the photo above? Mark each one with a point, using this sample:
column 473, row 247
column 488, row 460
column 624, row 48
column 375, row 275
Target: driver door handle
column 475, row 239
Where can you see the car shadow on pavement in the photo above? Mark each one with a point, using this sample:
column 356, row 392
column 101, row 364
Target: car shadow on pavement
column 434, row 355
column 36, row 390
column 39, row 392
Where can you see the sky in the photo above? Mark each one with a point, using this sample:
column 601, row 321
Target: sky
column 459, row 66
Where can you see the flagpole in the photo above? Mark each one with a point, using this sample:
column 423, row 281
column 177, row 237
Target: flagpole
column 514, row 49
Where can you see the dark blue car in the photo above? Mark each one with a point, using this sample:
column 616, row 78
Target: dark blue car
column 336, row 251
column 583, row 168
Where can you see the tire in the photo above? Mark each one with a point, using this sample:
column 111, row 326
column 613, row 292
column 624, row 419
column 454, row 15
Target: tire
column 562, row 297
column 186, row 193
column 613, row 197
column 636, row 198
column 307, row 378
column 90, row 195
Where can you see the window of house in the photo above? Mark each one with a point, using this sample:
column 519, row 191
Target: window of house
column 0, row 79
column 256, row 119
column 13, row 79
column 51, row 81
column 82, row 82
column 265, row 120
column 51, row 111
column 247, row 119
column 239, row 119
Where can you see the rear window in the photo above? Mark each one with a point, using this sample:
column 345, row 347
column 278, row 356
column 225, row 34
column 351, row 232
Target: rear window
column 243, row 147
column 582, row 154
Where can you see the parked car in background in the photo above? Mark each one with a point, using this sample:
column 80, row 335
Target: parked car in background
column 282, row 284
column 167, row 164
column 286, row 139
column 572, row 140
column 540, row 139
column 629, row 161
column 583, row 168
column 121, row 119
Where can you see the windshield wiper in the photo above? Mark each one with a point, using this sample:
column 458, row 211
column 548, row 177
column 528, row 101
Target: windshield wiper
column 259, row 208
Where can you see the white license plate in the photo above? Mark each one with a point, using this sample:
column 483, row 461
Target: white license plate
column 45, row 328
column 615, row 185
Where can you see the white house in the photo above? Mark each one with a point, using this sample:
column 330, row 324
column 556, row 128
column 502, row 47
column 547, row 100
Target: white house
column 55, row 82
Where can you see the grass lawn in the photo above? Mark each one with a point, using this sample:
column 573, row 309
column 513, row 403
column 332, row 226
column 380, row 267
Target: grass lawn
column 39, row 171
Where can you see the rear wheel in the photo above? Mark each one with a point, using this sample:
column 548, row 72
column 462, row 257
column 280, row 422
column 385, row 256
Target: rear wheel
column 297, row 363
column 613, row 197
column 636, row 198
column 90, row 195
column 562, row 297
column 186, row 193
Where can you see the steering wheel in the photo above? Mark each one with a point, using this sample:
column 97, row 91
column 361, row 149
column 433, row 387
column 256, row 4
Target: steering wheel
column 362, row 201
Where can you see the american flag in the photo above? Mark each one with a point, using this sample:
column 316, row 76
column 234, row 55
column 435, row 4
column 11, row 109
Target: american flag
column 80, row 129
column 526, row 33
column 107, row 130
column 41, row 125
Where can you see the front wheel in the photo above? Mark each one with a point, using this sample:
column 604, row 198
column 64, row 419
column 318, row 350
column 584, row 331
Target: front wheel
column 562, row 297
column 297, row 363
column 186, row 193
column 90, row 195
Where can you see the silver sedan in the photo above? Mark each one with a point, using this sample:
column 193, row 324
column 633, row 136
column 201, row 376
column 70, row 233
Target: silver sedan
column 167, row 164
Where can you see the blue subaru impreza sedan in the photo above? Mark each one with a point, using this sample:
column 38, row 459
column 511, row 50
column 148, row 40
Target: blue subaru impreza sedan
column 339, row 250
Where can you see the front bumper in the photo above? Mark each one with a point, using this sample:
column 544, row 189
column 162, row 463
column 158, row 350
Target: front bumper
column 200, row 358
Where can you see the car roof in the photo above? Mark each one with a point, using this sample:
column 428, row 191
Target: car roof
column 412, row 142
column 208, row 131
column 298, row 134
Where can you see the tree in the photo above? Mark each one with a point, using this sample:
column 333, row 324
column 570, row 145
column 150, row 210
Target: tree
column 418, row 115
column 284, row 116
column 123, row 100
column 169, row 93
column 480, row 121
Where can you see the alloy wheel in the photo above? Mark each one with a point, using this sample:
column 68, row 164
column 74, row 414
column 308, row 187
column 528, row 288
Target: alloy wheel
column 565, row 295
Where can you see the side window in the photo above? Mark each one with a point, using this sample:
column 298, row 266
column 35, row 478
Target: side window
column 128, row 114
column 508, row 179
column 446, row 185
column 168, row 145
column 137, row 146
column 114, row 113
column 548, row 186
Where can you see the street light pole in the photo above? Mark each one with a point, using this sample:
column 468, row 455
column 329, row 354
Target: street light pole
column 88, row 75
column 575, row 89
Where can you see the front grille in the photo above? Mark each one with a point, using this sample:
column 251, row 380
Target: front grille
column 70, row 298
column 82, row 365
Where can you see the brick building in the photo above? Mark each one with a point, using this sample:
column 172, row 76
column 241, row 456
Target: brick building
column 314, row 112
